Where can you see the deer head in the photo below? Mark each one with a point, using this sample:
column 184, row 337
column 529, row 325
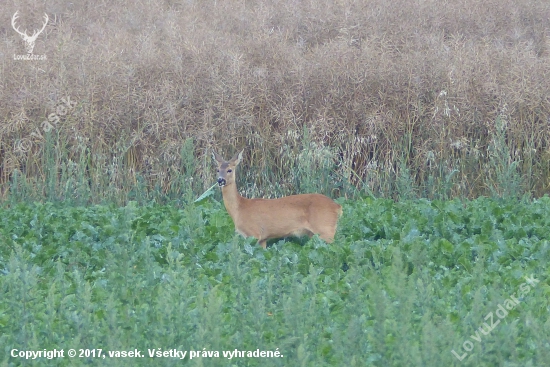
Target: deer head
column 29, row 40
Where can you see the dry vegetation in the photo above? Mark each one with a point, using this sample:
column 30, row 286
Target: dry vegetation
column 452, row 96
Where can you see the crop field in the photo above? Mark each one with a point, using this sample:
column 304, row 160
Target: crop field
column 428, row 121
column 452, row 95
column 414, row 283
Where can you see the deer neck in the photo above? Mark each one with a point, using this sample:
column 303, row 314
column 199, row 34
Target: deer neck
column 232, row 199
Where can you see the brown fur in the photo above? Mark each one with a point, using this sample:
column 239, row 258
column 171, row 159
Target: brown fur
column 295, row 215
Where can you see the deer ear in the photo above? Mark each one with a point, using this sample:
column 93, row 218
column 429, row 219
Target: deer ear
column 237, row 158
column 217, row 157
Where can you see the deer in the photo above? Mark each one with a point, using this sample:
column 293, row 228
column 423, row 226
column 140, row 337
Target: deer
column 29, row 40
column 264, row 219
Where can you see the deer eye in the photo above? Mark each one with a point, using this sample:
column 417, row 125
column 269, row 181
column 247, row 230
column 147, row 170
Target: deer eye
column 229, row 171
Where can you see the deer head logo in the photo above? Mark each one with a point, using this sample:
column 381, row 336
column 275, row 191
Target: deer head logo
column 29, row 40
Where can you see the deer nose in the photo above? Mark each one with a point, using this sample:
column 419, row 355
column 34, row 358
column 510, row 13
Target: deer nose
column 221, row 181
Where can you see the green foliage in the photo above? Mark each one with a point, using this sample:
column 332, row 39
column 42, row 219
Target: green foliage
column 504, row 176
column 404, row 182
column 403, row 284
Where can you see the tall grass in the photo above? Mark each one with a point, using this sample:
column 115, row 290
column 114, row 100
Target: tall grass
column 384, row 88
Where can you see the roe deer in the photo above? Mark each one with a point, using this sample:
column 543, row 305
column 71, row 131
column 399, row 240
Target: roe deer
column 294, row 215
